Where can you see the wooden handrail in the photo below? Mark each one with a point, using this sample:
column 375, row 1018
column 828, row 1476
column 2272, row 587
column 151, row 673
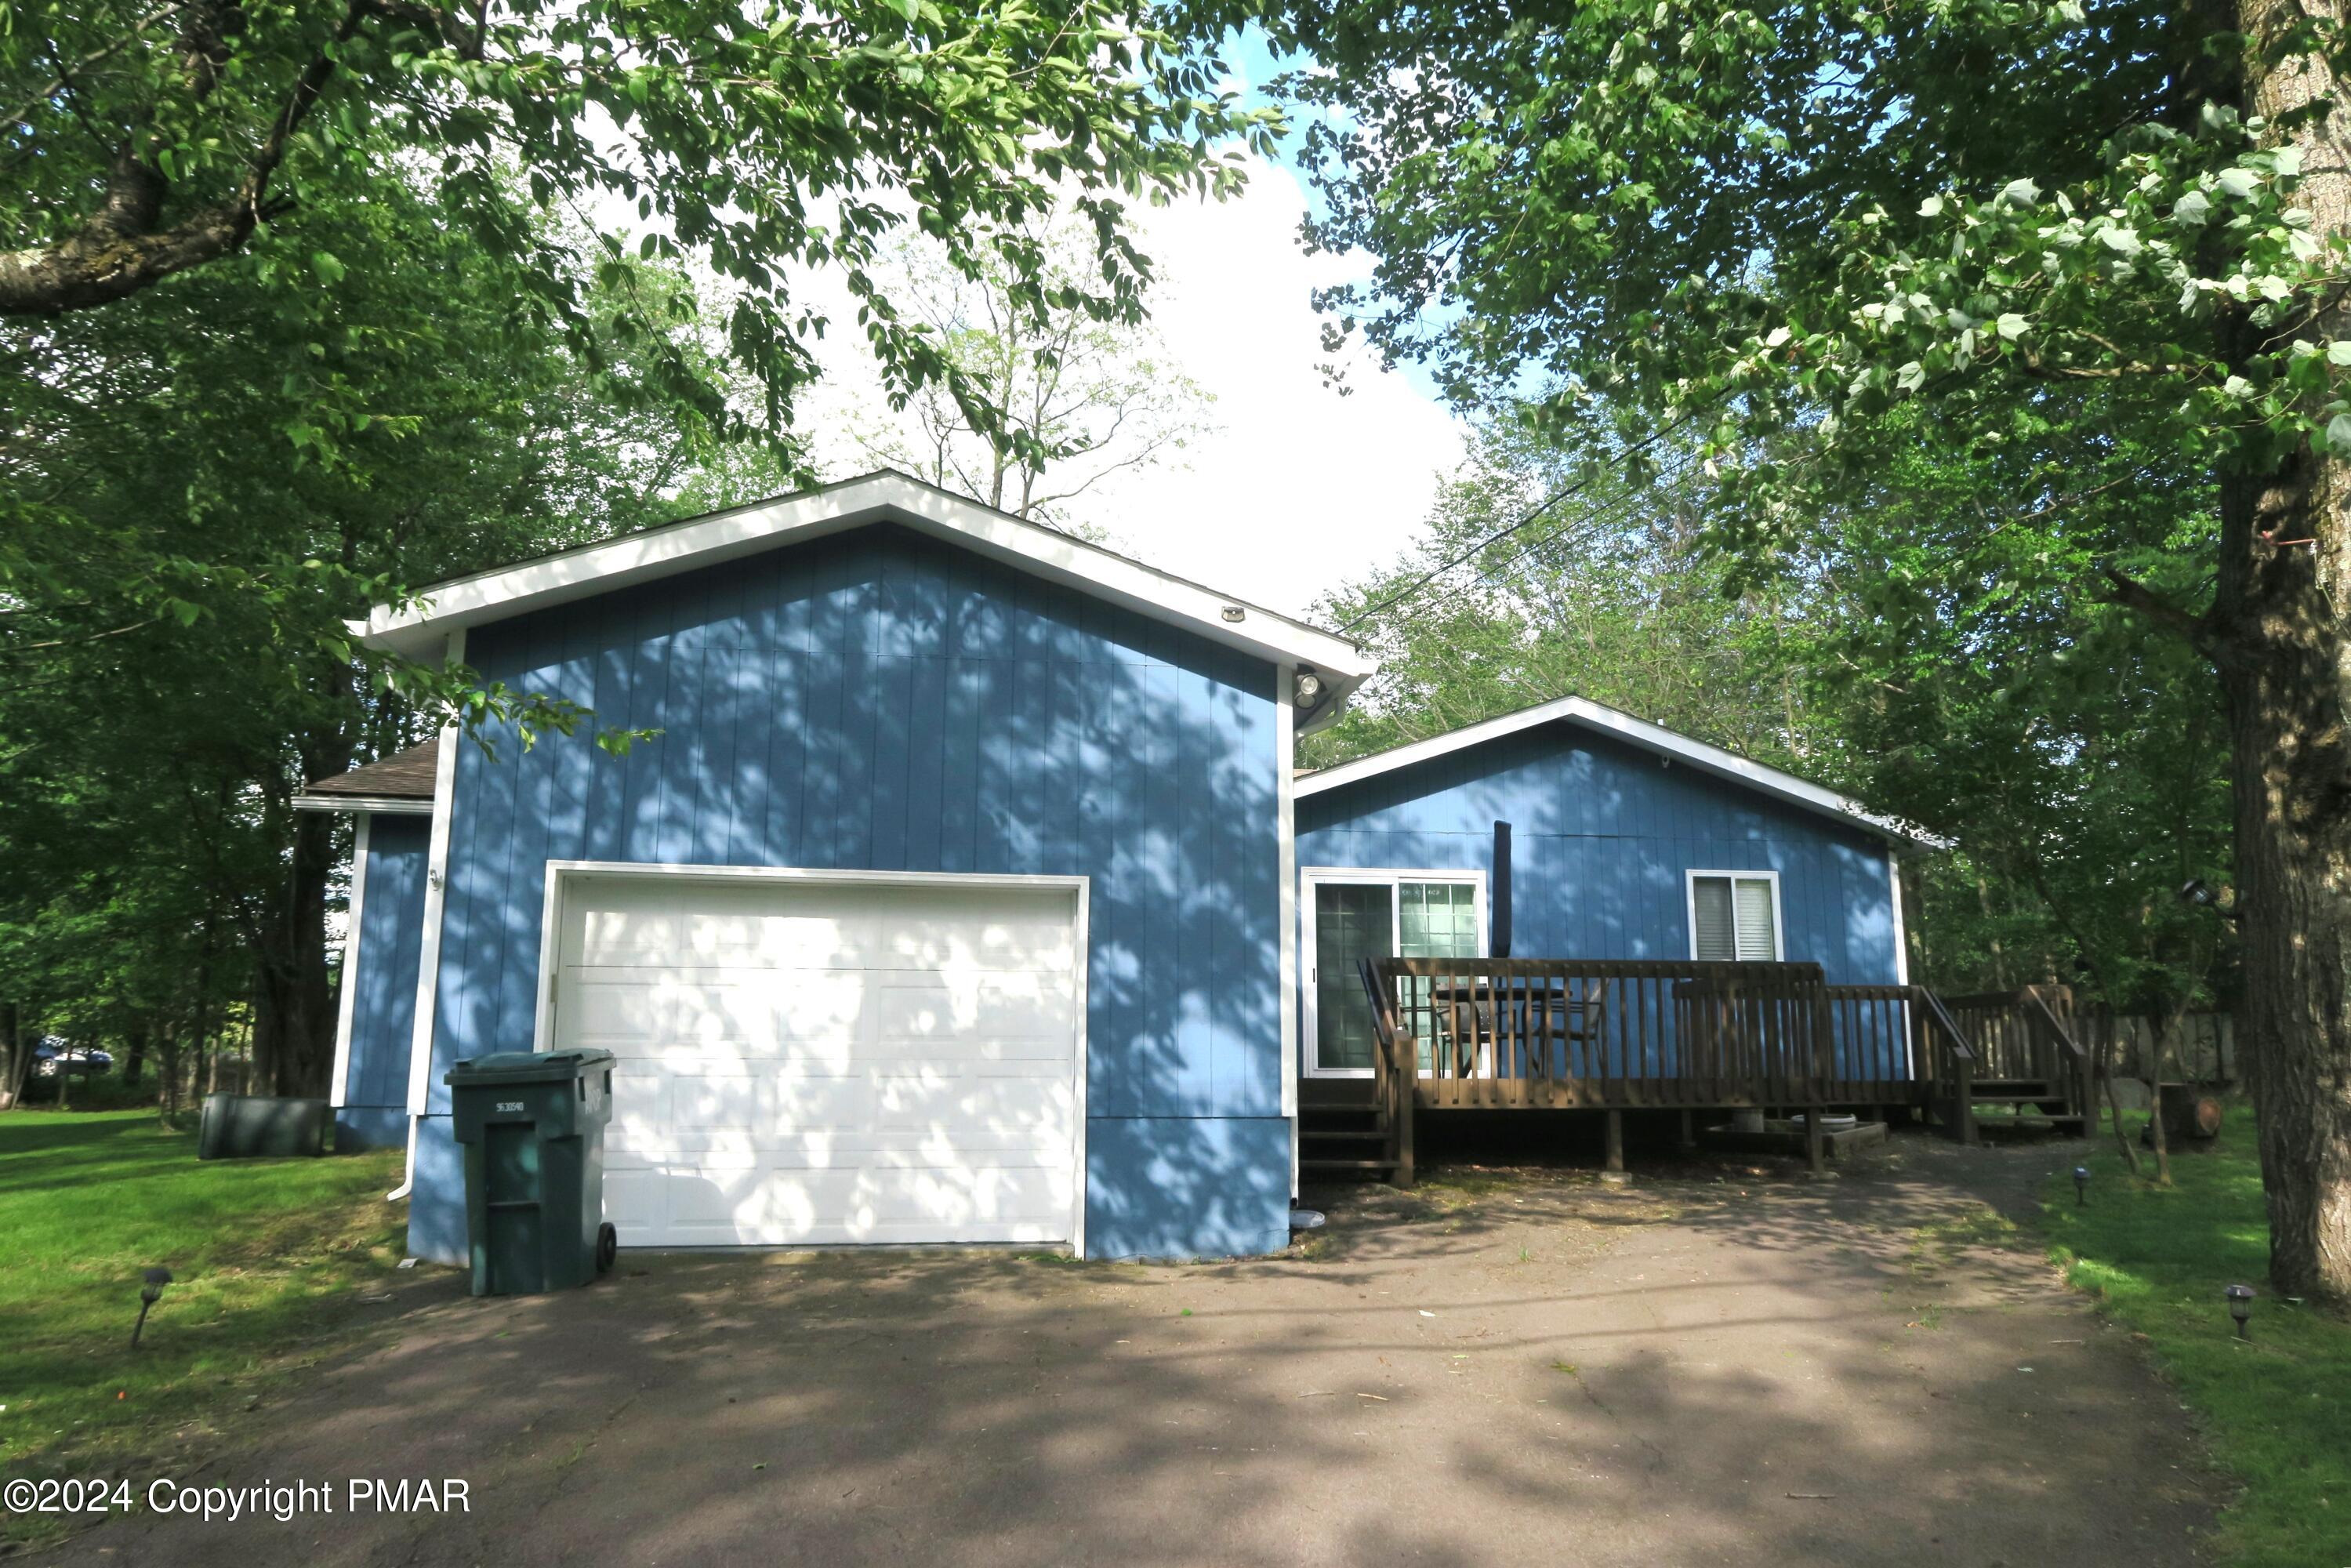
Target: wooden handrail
column 2084, row 1088
column 1957, row 1079
column 1942, row 1020
column 1395, row 1067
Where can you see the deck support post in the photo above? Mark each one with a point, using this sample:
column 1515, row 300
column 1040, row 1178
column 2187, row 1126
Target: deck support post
column 1689, row 1131
column 1402, row 1176
column 1815, row 1149
column 1614, row 1170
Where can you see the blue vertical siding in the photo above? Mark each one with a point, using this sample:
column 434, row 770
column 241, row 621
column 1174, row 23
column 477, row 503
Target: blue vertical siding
column 374, row 1113
column 880, row 700
column 1603, row 836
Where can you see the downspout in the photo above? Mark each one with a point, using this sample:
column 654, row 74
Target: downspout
column 1500, row 940
column 408, row 1171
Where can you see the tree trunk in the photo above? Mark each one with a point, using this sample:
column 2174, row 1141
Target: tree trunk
column 15, row 1056
column 2278, row 633
column 135, row 1052
column 293, row 996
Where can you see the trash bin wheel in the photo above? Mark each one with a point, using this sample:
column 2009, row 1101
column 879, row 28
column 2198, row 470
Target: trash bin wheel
column 608, row 1247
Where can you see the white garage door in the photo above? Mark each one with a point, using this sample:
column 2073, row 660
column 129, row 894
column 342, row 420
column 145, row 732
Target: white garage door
column 811, row 1061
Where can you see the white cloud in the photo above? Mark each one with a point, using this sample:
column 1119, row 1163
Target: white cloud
column 1299, row 488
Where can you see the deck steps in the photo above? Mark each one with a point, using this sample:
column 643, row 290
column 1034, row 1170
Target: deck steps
column 1345, row 1167
column 1344, row 1143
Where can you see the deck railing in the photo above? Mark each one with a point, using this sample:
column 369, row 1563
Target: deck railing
column 1468, row 1033
column 2022, row 1036
column 1625, row 1033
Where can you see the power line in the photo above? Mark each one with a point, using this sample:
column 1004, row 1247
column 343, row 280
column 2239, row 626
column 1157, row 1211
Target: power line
column 1490, row 540
column 1526, row 553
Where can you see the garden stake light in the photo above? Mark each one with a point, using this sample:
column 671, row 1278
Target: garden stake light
column 149, row 1294
column 2240, row 1307
column 2081, row 1186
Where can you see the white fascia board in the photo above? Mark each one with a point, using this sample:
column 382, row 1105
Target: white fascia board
column 411, row 805
column 347, row 989
column 1651, row 738
column 416, row 630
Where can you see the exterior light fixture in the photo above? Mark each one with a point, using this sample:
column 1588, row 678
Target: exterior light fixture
column 149, row 1292
column 1307, row 687
column 1235, row 614
column 2197, row 891
column 2081, row 1186
column 2240, row 1307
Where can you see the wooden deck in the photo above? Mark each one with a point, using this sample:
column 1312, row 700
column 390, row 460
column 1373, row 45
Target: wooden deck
column 1544, row 1034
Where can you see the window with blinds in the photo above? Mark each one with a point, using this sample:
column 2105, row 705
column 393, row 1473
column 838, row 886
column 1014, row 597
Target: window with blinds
column 1733, row 918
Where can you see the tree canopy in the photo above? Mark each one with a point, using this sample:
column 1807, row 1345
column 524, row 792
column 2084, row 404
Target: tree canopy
column 2103, row 244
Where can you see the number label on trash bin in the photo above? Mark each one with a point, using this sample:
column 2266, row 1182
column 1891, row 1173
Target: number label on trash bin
column 506, row 1106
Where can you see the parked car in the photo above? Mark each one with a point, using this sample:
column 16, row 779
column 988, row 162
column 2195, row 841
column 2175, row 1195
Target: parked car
column 54, row 1055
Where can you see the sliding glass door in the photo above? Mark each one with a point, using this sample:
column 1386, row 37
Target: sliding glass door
column 1359, row 914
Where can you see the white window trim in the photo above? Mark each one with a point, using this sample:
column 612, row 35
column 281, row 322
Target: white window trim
column 1078, row 887
column 337, row 1095
column 1314, row 876
column 1779, row 926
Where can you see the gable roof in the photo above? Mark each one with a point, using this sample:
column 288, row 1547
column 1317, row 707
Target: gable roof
column 401, row 782
column 417, row 630
column 1609, row 721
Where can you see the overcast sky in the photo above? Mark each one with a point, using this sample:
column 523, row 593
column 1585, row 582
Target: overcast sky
column 1298, row 488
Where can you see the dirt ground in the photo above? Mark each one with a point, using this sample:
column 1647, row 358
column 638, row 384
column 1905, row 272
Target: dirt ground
column 1724, row 1363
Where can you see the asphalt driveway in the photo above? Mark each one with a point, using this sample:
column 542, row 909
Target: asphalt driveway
column 1754, row 1369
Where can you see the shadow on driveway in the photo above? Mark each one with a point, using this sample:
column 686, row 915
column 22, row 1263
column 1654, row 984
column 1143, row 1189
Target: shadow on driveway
column 1734, row 1368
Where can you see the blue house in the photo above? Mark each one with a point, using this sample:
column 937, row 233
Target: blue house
column 949, row 902
column 965, row 891
column 1622, row 840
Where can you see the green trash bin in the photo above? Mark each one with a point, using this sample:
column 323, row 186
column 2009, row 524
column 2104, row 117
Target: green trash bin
column 532, row 1125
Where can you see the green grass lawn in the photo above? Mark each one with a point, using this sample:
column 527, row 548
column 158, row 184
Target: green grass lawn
column 2273, row 1410
column 269, row 1256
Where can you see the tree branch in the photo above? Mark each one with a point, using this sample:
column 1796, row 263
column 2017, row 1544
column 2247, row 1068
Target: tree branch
column 2133, row 594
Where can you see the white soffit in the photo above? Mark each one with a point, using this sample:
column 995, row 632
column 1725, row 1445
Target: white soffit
column 416, row 630
column 1651, row 738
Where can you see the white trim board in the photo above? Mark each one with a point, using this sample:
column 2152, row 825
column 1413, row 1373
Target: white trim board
column 1605, row 720
column 1310, row 877
column 338, row 1094
column 1081, row 888
column 1901, row 934
column 436, row 877
column 1690, row 909
column 1286, row 855
column 388, row 805
column 886, row 497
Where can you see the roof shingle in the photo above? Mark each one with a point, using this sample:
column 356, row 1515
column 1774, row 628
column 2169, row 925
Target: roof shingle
column 409, row 774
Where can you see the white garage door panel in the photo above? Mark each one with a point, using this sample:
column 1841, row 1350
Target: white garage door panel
column 802, row 1062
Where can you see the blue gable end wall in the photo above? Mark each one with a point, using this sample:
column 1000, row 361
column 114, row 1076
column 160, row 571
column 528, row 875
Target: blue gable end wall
column 374, row 1113
column 1603, row 834
column 880, row 701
